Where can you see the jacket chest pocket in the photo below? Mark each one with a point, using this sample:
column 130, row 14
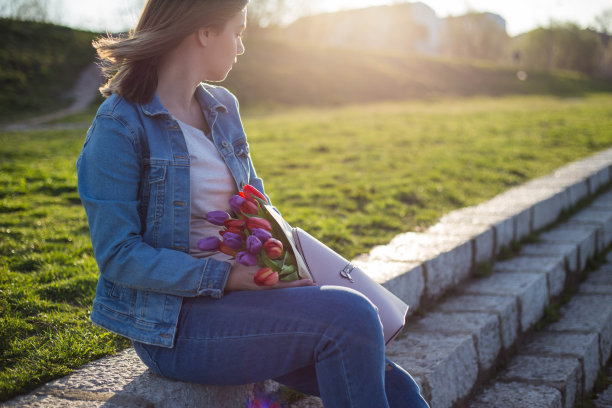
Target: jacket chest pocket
column 241, row 151
column 156, row 191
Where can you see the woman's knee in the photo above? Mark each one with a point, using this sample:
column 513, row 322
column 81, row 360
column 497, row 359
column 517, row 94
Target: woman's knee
column 352, row 309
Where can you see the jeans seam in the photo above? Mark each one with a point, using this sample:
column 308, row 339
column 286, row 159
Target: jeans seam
column 323, row 336
column 151, row 360
column 349, row 388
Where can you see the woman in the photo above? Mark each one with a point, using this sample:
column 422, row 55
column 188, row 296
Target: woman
column 163, row 150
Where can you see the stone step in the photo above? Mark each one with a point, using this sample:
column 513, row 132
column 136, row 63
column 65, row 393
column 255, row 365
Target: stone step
column 462, row 327
column 462, row 339
column 603, row 399
column 558, row 365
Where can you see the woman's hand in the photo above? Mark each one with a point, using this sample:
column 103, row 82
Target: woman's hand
column 241, row 278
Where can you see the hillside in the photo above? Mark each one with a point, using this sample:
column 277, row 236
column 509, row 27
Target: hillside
column 278, row 72
column 38, row 64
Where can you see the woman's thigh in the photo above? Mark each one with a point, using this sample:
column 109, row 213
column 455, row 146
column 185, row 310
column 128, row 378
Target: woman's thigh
column 255, row 335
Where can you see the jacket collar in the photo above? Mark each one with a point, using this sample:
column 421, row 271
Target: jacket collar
column 206, row 99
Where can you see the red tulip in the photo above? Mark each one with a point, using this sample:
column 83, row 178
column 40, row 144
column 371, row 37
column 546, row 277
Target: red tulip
column 257, row 222
column 238, row 231
column 273, row 248
column 265, row 277
column 249, row 207
column 249, row 192
column 227, row 250
column 233, row 223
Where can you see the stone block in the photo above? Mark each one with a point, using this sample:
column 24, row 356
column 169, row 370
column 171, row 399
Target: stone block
column 531, row 291
column 484, row 327
column 515, row 395
column 583, row 237
column 575, row 186
column 546, row 211
column 504, row 307
column 447, row 260
column 598, row 282
column 601, row 218
column 604, row 202
column 551, row 266
column 405, row 280
column 563, row 373
column 584, row 346
column 577, row 192
column 600, row 178
column 604, row 399
column 482, row 237
column 545, row 203
column 588, row 314
column 569, row 253
column 123, row 380
column 595, row 171
column 446, row 365
column 497, row 215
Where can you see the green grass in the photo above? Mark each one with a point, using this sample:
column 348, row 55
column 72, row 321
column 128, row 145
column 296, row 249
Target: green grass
column 356, row 176
column 353, row 176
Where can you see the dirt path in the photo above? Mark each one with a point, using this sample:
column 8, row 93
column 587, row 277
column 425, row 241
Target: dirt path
column 83, row 93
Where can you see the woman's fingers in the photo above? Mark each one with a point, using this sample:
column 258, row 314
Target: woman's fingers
column 294, row 284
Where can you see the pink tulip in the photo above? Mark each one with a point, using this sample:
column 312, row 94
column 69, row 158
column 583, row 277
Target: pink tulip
column 227, row 250
column 273, row 248
column 265, row 277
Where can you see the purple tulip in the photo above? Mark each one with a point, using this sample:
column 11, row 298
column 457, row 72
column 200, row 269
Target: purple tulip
column 253, row 244
column 246, row 258
column 209, row 244
column 217, row 217
column 235, row 202
column 262, row 234
column 233, row 240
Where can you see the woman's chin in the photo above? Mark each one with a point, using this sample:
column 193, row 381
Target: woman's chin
column 217, row 78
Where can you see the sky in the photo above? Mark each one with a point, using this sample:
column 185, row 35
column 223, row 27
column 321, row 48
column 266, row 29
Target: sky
column 520, row 15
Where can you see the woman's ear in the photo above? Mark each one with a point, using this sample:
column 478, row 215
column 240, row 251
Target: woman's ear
column 202, row 35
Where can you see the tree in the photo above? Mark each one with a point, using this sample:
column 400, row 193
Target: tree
column 604, row 21
column 27, row 10
column 562, row 46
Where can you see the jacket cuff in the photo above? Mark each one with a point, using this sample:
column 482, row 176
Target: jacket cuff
column 214, row 278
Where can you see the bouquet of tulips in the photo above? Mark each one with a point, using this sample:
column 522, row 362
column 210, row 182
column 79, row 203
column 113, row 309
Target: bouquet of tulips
column 249, row 238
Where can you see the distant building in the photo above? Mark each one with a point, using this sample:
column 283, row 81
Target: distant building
column 407, row 27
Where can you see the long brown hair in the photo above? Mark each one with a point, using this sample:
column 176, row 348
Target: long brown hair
column 131, row 62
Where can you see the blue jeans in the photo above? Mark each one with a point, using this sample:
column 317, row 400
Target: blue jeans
column 324, row 341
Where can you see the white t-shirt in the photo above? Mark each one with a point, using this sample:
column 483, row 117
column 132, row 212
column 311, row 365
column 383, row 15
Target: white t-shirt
column 212, row 185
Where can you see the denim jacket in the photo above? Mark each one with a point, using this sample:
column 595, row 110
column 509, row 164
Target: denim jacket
column 133, row 180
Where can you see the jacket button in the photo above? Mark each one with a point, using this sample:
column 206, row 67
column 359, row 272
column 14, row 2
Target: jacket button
column 224, row 144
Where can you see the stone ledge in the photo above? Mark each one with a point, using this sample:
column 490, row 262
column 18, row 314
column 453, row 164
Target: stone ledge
column 124, row 381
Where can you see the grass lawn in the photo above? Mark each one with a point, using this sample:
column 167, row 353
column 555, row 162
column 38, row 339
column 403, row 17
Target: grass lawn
column 352, row 176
